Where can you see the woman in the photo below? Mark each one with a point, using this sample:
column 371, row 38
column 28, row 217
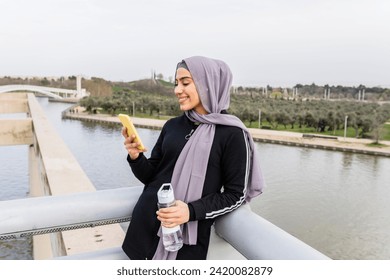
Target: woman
column 206, row 154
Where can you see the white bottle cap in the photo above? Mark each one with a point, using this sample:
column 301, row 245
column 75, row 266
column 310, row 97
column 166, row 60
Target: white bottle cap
column 165, row 194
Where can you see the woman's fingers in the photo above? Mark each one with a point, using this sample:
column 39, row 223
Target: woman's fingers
column 131, row 146
column 175, row 215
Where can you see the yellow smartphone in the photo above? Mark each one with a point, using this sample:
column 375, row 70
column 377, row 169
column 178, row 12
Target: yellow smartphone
column 126, row 121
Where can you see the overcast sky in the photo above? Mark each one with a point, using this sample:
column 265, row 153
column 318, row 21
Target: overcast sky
column 275, row 42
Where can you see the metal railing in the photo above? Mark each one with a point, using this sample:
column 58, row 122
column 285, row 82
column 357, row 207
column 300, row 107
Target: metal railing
column 251, row 235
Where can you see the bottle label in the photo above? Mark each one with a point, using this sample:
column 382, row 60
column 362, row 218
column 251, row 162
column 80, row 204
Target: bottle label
column 166, row 205
column 170, row 230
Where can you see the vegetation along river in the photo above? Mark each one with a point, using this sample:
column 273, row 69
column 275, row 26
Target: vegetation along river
column 336, row 202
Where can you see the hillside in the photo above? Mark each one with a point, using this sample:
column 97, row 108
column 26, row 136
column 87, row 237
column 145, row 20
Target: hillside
column 151, row 86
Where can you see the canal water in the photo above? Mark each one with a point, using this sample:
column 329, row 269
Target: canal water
column 336, row 202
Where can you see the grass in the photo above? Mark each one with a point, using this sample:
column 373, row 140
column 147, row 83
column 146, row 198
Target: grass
column 386, row 134
column 138, row 115
column 154, row 116
column 340, row 133
column 376, row 145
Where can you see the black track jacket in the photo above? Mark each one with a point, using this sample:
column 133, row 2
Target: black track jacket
column 223, row 190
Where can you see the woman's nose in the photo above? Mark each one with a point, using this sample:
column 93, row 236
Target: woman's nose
column 178, row 89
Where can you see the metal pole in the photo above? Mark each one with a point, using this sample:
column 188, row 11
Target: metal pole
column 259, row 118
column 345, row 127
column 133, row 109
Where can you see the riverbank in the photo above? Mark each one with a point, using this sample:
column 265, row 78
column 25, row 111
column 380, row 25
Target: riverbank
column 260, row 135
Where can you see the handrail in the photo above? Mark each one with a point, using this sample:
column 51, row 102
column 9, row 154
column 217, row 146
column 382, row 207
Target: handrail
column 247, row 232
column 48, row 214
column 258, row 239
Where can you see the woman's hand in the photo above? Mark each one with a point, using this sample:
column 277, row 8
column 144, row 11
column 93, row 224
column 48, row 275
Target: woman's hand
column 175, row 215
column 130, row 145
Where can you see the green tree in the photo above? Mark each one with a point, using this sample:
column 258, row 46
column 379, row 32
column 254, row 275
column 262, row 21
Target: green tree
column 90, row 104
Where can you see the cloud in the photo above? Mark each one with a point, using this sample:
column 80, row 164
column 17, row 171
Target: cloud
column 265, row 42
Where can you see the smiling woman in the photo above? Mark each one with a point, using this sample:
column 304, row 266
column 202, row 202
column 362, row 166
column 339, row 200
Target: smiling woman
column 200, row 153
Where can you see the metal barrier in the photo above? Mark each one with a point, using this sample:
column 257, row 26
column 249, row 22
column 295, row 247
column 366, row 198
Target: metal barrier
column 249, row 234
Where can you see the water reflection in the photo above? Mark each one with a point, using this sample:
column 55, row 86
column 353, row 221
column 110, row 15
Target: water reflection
column 347, row 160
column 336, row 202
column 14, row 185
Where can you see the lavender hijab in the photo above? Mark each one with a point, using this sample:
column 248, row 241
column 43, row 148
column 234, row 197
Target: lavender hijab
column 212, row 79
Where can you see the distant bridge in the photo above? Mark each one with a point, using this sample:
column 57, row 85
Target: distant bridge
column 57, row 93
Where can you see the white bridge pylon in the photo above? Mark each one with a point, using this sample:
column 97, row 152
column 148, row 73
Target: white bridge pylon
column 57, row 93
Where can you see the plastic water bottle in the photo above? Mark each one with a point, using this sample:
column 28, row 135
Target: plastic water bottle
column 172, row 237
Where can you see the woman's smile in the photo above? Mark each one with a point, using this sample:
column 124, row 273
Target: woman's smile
column 186, row 92
column 182, row 99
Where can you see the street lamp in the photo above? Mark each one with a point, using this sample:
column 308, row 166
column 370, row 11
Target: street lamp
column 345, row 127
column 259, row 118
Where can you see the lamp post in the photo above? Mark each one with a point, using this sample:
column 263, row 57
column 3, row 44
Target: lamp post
column 345, row 127
column 259, row 118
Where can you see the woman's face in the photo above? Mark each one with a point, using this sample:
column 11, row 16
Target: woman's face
column 186, row 92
